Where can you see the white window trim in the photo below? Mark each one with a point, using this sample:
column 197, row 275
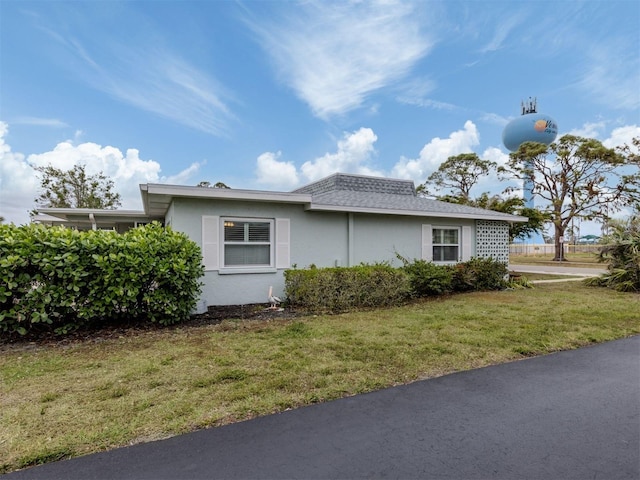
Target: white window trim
column 427, row 248
column 465, row 247
column 213, row 245
column 464, row 242
column 210, row 241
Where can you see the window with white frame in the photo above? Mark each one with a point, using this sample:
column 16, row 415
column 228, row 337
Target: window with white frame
column 445, row 242
column 245, row 245
column 247, row 242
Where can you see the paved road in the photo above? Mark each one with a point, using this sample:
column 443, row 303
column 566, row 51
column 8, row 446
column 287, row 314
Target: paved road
column 587, row 272
column 567, row 415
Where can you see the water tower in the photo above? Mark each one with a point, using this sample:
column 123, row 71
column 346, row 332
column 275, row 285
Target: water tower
column 531, row 126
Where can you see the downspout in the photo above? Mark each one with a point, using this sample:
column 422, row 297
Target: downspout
column 92, row 219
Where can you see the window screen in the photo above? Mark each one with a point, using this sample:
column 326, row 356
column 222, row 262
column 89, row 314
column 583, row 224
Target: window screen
column 446, row 244
column 247, row 243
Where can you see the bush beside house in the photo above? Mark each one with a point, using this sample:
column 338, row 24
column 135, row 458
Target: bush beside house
column 58, row 279
column 479, row 274
column 341, row 289
column 61, row 279
column 337, row 289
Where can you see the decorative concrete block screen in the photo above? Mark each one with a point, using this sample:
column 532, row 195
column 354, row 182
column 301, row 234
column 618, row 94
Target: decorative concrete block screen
column 492, row 240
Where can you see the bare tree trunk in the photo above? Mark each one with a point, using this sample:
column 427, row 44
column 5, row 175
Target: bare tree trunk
column 559, row 245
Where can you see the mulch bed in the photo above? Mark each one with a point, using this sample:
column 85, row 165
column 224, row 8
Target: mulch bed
column 213, row 316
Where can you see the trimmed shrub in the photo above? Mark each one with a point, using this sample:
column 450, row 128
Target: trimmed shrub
column 480, row 274
column 428, row 279
column 335, row 290
column 63, row 279
column 340, row 289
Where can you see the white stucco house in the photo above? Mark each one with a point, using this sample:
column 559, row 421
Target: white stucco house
column 249, row 237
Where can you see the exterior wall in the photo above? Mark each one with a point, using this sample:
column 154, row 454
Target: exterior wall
column 315, row 238
column 324, row 239
column 319, row 238
column 378, row 238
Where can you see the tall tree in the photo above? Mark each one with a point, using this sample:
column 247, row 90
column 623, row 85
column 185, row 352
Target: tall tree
column 75, row 189
column 510, row 205
column 458, row 174
column 576, row 177
column 514, row 206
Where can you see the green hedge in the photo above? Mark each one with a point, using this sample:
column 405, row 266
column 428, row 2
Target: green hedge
column 335, row 290
column 61, row 279
column 341, row 289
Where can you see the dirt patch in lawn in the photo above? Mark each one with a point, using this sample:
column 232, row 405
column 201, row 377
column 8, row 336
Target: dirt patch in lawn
column 100, row 333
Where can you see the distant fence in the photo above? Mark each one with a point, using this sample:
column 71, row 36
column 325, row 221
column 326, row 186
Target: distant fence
column 549, row 249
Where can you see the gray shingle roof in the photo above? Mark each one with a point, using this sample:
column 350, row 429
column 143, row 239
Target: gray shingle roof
column 345, row 191
column 391, row 202
column 359, row 183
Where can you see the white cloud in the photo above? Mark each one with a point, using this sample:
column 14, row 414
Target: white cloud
column 427, row 103
column 354, row 154
column 333, row 62
column 275, row 173
column 437, row 151
column 355, row 150
column 40, row 122
column 618, row 137
column 502, row 31
column 494, row 119
column 183, row 176
column 588, row 130
column 126, row 171
column 495, row 155
column 145, row 74
column 415, row 91
column 19, row 183
column 622, row 136
column 612, row 75
column 163, row 83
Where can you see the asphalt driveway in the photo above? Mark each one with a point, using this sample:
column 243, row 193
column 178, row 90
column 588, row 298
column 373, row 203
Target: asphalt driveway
column 567, row 415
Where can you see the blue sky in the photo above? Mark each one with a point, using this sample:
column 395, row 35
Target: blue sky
column 273, row 95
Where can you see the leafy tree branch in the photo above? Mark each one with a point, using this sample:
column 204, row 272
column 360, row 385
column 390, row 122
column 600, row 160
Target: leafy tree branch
column 75, row 188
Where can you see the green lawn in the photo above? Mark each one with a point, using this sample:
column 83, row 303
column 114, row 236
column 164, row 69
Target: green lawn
column 572, row 260
column 73, row 398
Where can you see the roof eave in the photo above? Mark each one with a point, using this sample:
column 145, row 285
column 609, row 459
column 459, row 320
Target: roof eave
column 224, row 193
column 164, row 195
column 416, row 213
